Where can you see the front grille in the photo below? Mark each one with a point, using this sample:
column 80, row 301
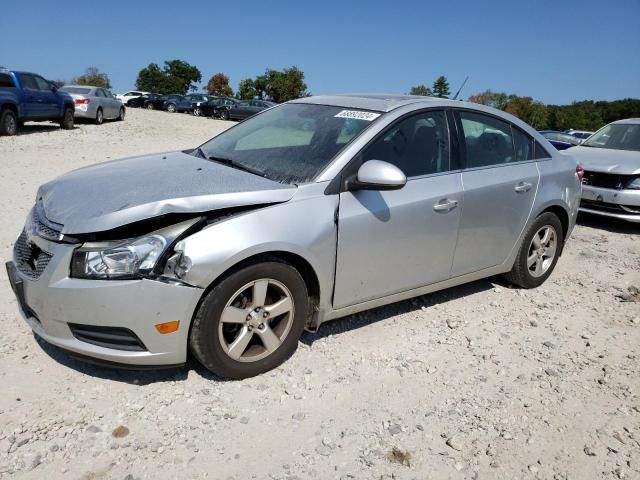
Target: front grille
column 116, row 338
column 29, row 258
column 607, row 180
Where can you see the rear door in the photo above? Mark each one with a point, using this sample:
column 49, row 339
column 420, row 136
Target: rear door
column 33, row 100
column 394, row 241
column 500, row 181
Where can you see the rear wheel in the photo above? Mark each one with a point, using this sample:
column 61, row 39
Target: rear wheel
column 197, row 112
column 538, row 253
column 251, row 321
column 8, row 123
column 171, row 108
column 99, row 117
column 67, row 121
column 149, row 106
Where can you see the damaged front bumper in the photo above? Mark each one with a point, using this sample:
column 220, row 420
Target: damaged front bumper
column 622, row 204
column 109, row 320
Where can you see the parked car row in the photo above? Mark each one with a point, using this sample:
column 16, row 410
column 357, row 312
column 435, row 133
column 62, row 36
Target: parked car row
column 199, row 104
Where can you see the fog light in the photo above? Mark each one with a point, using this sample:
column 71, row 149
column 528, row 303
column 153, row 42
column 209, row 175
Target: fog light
column 168, row 327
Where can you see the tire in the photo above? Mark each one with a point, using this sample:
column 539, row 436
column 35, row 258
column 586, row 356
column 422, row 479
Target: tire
column 121, row 115
column 224, row 114
column 197, row 112
column 218, row 345
column 171, row 108
column 8, row 123
column 534, row 263
column 149, row 106
column 99, row 117
column 67, row 122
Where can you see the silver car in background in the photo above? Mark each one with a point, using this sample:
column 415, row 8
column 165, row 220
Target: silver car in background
column 611, row 160
column 95, row 103
column 309, row 211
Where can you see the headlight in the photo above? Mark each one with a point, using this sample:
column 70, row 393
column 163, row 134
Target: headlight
column 124, row 259
column 635, row 184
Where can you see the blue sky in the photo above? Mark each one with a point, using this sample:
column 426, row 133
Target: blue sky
column 556, row 51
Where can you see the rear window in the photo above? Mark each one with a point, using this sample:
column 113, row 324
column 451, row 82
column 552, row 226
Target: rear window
column 76, row 90
column 6, row 81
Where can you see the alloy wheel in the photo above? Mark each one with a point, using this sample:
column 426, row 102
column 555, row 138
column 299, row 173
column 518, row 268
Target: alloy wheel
column 542, row 251
column 256, row 320
column 197, row 112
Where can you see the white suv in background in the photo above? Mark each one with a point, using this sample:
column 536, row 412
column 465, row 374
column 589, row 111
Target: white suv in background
column 125, row 97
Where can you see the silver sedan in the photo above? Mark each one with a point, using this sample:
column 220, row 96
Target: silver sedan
column 309, row 211
column 95, row 103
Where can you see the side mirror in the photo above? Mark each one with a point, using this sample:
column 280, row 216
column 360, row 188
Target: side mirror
column 378, row 175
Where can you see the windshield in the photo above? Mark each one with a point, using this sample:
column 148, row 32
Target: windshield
column 619, row 136
column 291, row 143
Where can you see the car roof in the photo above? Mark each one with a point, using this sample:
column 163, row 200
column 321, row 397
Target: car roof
column 627, row 121
column 369, row 101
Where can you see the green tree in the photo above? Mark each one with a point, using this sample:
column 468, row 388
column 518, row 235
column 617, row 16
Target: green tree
column 219, row 85
column 180, row 76
column 246, row 89
column 441, row 87
column 278, row 85
column 421, row 90
column 151, row 79
column 491, row 99
column 94, row 78
column 177, row 76
column 285, row 85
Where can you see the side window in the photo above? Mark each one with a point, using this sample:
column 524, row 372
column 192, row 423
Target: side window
column 487, row 139
column 42, row 84
column 99, row 93
column 28, row 82
column 523, row 144
column 6, row 81
column 540, row 151
column 418, row 145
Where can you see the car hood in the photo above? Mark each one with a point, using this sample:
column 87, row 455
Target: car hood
column 623, row 162
column 116, row 193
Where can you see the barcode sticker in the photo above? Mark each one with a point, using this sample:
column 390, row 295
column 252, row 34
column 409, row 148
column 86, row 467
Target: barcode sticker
column 358, row 115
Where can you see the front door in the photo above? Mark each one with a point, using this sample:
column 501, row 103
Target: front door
column 500, row 183
column 393, row 241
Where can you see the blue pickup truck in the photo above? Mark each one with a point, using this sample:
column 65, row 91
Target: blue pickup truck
column 29, row 97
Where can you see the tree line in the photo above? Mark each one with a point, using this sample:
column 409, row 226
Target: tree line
column 178, row 76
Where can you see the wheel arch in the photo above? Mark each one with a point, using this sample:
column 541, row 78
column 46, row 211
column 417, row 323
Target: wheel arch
column 301, row 264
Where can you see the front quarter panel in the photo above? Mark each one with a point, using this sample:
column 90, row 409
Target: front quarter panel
column 304, row 226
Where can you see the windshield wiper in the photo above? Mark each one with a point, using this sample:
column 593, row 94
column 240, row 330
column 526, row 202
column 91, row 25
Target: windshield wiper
column 236, row 165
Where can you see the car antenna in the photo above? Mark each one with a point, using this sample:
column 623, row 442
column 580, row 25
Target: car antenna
column 455, row 97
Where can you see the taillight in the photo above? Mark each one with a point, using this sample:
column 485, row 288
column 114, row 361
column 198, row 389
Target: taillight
column 580, row 172
column 82, row 101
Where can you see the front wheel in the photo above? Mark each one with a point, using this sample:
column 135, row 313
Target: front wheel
column 67, row 122
column 251, row 321
column 197, row 112
column 149, row 106
column 171, row 108
column 224, row 114
column 122, row 114
column 538, row 253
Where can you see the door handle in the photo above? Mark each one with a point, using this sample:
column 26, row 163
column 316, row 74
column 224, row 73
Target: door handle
column 523, row 187
column 445, row 205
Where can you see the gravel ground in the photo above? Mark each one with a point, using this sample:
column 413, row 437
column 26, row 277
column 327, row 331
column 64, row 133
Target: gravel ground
column 479, row 381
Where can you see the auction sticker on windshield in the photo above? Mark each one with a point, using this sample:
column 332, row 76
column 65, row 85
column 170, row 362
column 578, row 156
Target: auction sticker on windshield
column 357, row 115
